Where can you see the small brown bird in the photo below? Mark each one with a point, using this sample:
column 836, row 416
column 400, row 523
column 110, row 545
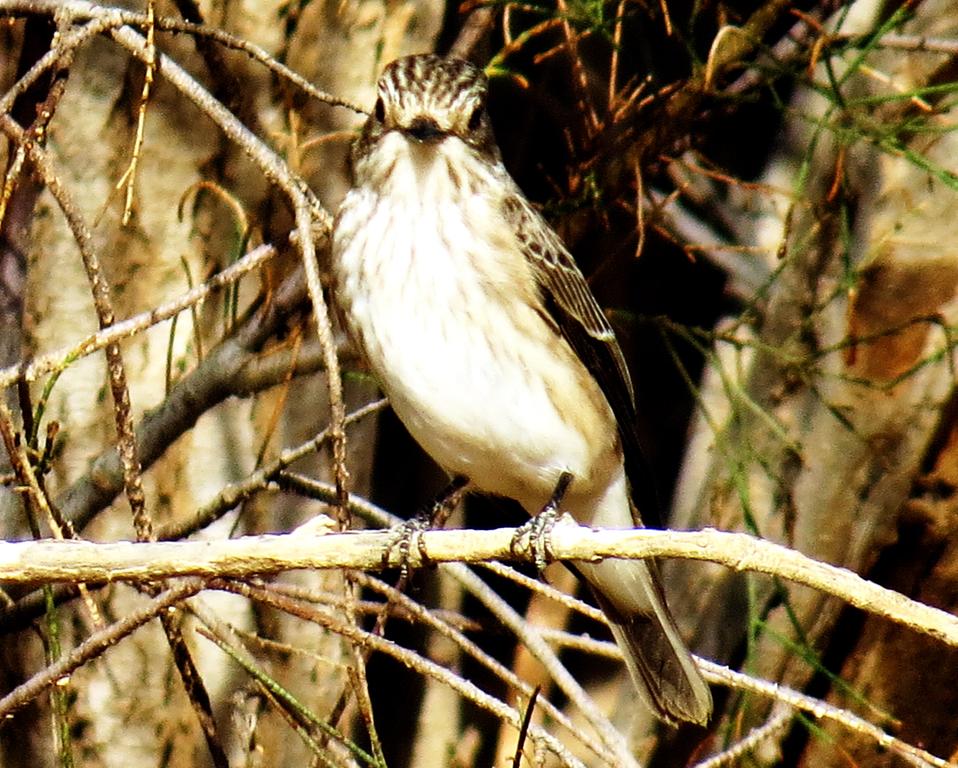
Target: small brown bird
column 485, row 336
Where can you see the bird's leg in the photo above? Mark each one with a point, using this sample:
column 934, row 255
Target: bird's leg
column 431, row 516
column 445, row 502
column 537, row 530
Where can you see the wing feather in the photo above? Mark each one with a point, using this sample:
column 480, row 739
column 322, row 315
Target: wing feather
column 568, row 299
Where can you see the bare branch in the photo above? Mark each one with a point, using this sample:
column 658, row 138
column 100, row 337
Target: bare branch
column 96, row 644
column 124, row 329
column 250, row 555
column 211, row 382
column 422, row 666
column 127, row 448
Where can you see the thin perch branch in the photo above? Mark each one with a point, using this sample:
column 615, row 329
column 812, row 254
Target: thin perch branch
column 87, row 561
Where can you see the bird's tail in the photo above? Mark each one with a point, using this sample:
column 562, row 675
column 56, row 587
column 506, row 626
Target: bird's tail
column 630, row 594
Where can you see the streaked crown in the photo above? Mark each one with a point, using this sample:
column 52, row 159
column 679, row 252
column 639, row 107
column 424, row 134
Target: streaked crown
column 428, row 98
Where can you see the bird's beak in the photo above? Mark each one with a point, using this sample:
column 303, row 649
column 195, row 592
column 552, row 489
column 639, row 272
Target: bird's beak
column 424, row 130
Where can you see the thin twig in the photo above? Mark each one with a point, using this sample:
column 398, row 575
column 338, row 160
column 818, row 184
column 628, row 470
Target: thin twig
column 60, row 359
column 312, row 223
column 716, row 673
column 410, row 659
column 103, row 304
column 96, row 644
column 106, row 17
column 234, row 494
column 219, row 376
column 772, row 728
column 29, row 485
column 611, row 738
column 427, row 618
column 129, row 175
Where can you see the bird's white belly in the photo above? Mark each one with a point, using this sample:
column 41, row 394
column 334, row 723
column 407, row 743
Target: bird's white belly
column 478, row 377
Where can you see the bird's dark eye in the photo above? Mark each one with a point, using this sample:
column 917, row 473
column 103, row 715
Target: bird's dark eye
column 380, row 110
column 475, row 118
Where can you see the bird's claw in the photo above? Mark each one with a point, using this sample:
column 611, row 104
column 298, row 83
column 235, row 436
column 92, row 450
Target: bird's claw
column 534, row 538
column 412, row 530
column 403, row 536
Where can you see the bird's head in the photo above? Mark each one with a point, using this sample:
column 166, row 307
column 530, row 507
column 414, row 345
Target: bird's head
column 429, row 99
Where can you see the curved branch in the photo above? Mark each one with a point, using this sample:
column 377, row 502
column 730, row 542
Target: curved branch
column 87, row 561
column 211, row 382
column 59, row 359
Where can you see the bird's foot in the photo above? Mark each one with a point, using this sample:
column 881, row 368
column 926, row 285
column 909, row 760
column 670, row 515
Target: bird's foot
column 410, row 531
column 534, row 536
column 403, row 536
